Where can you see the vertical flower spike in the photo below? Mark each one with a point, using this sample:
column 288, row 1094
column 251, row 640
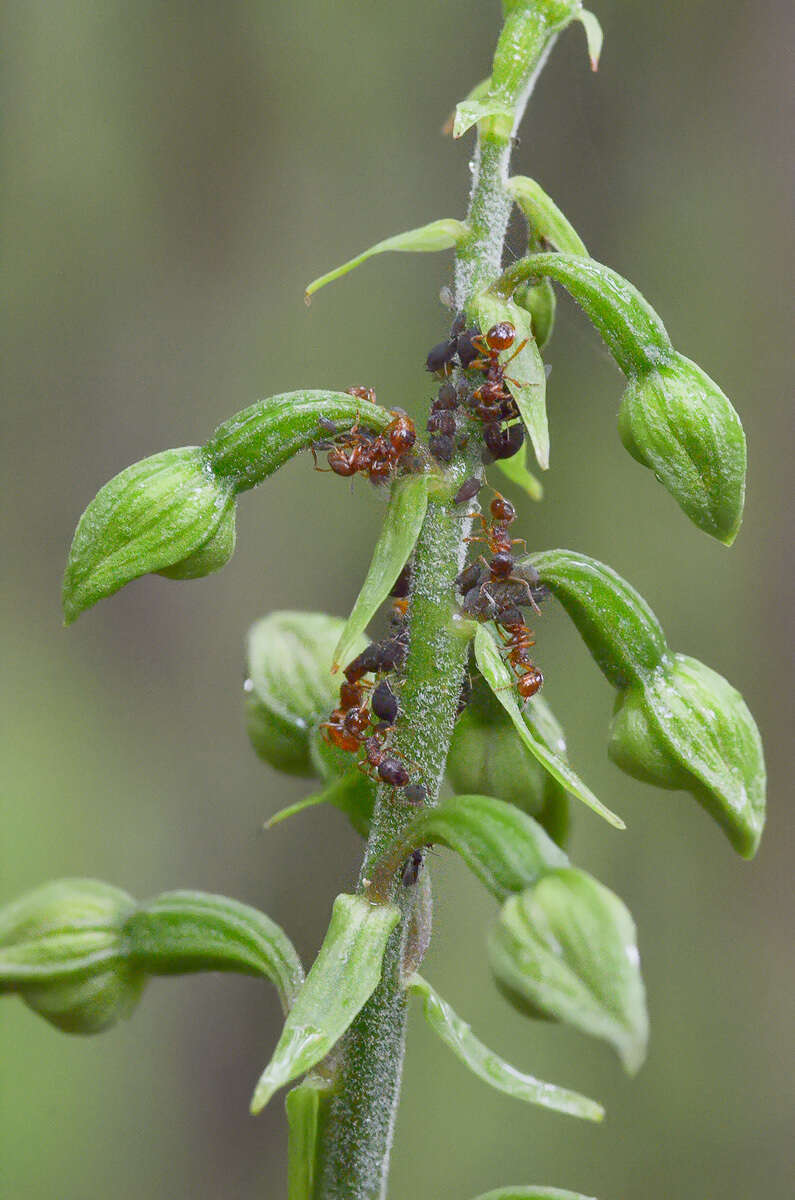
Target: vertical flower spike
column 677, row 723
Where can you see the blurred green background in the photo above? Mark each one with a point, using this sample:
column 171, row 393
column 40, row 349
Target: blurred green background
column 174, row 171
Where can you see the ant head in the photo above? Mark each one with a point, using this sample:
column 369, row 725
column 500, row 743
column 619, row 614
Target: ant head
column 501, row 336
column 502, row 509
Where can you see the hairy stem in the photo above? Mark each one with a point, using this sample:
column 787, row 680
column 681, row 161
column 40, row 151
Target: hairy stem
column 353, row 1157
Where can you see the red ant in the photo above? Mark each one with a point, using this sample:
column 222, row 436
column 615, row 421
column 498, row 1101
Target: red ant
column 492, row 399
column 518, row 641
column 375, row 456
column 502, row 562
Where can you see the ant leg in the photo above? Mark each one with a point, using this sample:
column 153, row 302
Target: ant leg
column 518, row 350
column 516, row 579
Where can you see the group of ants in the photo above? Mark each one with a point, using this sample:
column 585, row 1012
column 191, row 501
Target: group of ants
column 491, row 589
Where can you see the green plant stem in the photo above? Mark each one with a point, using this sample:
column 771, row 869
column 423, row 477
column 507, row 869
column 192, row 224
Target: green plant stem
column 353, row 1155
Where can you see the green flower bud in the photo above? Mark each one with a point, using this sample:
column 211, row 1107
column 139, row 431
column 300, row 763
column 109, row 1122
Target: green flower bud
column 539, row 300
column 167, row 514
column 290, row 687
column 62, row 950
column 678, row 423
column 686, row 727
column 487, row 758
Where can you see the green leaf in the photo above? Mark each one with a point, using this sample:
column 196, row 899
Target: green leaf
column 254, row 443
column 487, row 1065
column 629, row 326
column 593, row 36
column 182, row 932
column 166, row 514
column 352, row 793
column 503, row 847
column 502, row 683
column 289, row 686
column 517, row 471
column 532, row 1192
column 544, row 217
column 567, row 947
column 399, row 533
column 528, row 381
column 306, row 1106
column 340, row 982
column 676, row 421
column 686, row 727
column 487, row 757
column 438, row 235
column 614, row 621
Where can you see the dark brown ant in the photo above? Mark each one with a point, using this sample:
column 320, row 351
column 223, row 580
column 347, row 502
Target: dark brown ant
column 387, row 767
column 412, row 868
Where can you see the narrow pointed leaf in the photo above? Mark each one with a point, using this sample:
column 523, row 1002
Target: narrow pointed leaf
column 517, row 471
column 544, row 217
column 289, row 687
column 339, row 984
column 402, row 524
column 352, row 794
column 503, row 847
column 593, row 36
column 629, row 326
column 182, row 932
column 438, row 235
column 306, row 1106
column 155, row 516
column 567, row 948
column 531, row 1192
column 255, row 442
column 488, row 1066
column 615, row 622
column 502, row 683
column 528, row 381
column 469, row 112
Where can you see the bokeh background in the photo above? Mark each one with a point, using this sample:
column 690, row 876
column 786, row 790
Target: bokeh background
column 173, row 173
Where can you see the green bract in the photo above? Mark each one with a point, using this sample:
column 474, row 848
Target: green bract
column 167, row 514
column 528, row 380
column 62, row 951
column 399, row 532
column 565, row 949
column 290, row 686
column 677, row 723
column 439, row 235
column 488, row 1066
column 677, row 422
column 306, row 1107
column 352, row 793
column 340, row 982
column 254, row 443
column 488, row 758
column 515, row 468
